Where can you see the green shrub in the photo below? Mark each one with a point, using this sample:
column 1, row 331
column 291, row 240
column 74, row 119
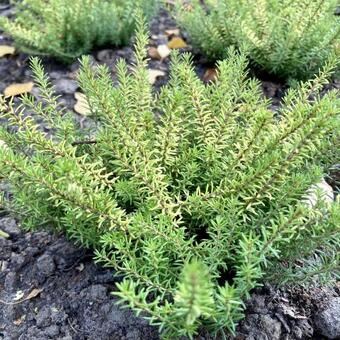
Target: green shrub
column 288, row 38
column 67, row 29
column 193, row 194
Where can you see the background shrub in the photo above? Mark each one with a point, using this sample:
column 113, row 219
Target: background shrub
column 289, row 38
column 193, row 207
column 67, row 29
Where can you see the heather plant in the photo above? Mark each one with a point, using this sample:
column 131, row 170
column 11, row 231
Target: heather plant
column 67, row 29
column 288, row 38
column 195, row 194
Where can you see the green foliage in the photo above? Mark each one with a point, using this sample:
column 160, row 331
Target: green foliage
column 288, row 38
column 195, row 207
column 67, row 29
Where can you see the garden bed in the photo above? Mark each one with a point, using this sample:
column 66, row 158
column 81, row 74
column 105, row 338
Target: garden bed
column 50, row 289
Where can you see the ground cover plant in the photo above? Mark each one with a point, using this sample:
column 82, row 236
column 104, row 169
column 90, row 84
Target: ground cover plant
column 289, row 38
column 67, row 29
column 194, row 194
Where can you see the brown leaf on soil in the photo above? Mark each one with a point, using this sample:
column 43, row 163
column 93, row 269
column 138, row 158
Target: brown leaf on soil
column 20, row 294
column 81, row 106
column 18, row 89
column 177, row 42
column 154, row 74
column 173, row 31
column 163, row 51
column 19, row 321
column 6, row 50
column 35, row 292
column 210, row 75
column 160, row 52
column 153, row 53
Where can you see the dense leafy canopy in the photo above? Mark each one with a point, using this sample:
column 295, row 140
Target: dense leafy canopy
column 194, row 194
column 67, row 29
column 289, row 38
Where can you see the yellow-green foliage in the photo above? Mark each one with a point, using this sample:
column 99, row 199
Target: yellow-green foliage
column 196, row 205
column 69, row 28
column 289, row 38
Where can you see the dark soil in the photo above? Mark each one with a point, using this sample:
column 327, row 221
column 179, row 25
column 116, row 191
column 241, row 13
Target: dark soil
column 73, row 294
column 50, row 289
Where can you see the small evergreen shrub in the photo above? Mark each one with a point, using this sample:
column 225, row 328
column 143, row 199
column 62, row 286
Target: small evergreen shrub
column 288, row 38
column 67, row 29
column 195, row 194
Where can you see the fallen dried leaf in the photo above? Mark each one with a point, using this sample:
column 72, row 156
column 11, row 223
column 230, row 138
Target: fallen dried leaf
column 17, row 89
column 19, row 321
column 174, row 31
column 210, row 75
column 153, row 53
column 81, row 106
column 160, row 52
column 177, row 42
column 19, row 295
column 154, row 74
column 6, row 50
column 163, row 51
column 35, row 292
